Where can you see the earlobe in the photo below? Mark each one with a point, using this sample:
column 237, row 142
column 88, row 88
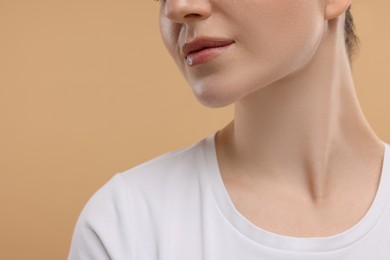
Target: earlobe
column 335, row 8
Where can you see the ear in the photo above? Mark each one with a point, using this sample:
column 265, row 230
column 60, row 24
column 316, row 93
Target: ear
column 335, row 8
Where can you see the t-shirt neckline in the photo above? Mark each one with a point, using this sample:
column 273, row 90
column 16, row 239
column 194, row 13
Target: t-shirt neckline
column 287, row 243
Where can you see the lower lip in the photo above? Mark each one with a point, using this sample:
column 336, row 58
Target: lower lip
column 206, row 55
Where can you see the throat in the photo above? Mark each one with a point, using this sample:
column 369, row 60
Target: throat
column 285, row 210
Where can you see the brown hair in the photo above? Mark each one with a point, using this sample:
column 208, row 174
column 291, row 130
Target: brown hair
column 351, row 39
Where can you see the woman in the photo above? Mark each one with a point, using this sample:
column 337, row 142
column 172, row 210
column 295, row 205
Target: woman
column 298, row 174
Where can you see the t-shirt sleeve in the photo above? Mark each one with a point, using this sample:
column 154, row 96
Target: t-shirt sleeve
column 103, row 230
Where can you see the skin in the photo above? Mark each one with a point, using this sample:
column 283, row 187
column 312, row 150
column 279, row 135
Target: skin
column 299, row 159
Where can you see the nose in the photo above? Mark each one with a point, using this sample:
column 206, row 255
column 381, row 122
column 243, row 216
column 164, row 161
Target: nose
column 184, row 11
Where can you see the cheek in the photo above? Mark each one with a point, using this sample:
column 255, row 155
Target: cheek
column 285, row 34
column 280, row 21
column 166, row 32
column 170, row 33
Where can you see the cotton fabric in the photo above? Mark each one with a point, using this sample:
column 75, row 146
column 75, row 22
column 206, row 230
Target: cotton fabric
column 176, row 207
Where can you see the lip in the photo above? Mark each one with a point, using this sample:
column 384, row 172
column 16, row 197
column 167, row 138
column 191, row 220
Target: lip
column 204, row 49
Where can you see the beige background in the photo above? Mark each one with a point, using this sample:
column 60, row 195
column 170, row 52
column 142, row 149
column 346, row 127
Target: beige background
column 87, row 90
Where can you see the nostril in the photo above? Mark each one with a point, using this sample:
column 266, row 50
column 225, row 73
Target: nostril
column 192, row 15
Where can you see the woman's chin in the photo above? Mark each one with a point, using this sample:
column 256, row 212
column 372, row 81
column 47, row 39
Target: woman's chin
column 213, row 99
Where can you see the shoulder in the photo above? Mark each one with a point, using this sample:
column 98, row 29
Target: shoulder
column 117, row 208
column 169, row 169
column 153, row 176
column 96, row 232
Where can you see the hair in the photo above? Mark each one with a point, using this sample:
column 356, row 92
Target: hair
column 351, row 39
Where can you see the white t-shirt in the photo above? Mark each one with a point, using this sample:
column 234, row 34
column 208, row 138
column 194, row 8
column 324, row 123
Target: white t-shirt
column 176, row 207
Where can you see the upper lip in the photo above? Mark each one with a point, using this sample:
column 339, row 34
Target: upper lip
column 204, row 43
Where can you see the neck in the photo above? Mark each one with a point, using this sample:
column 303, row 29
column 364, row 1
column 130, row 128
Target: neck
column 305, row 129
